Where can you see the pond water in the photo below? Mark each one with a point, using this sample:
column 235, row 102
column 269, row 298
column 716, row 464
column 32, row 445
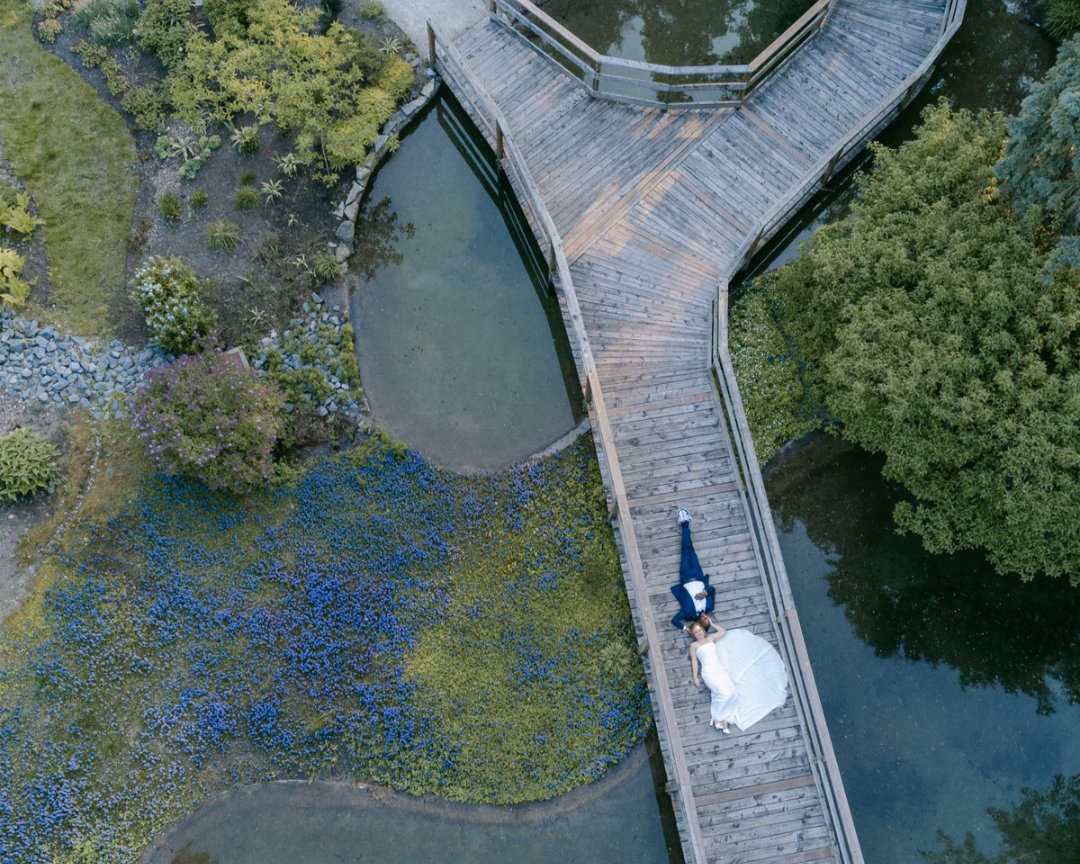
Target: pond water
column 947, row 687
column 614, row 822
column 678, row 32
column 461, row 347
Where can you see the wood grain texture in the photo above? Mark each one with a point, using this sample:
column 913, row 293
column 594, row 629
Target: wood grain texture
column 648, row 213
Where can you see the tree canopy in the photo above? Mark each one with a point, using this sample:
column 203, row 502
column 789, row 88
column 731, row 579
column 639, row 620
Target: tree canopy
column 1041, row 170
column 936, row 333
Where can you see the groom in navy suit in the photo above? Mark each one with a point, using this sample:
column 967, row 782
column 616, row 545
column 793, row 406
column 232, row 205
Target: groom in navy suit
column 693, row 591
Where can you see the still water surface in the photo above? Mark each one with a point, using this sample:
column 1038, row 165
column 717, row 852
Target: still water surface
column 678, row 32
column 947, row 687
column 462, row 350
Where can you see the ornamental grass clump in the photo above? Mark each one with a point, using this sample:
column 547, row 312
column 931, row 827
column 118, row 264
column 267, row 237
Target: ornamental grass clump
column 167, row 292
column 27, row 465
column 210, row 417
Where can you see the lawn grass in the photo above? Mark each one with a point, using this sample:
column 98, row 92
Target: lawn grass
column 75, row 156
column 462, row 636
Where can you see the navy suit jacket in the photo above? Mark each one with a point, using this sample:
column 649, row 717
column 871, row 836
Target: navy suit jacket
column 687, row 609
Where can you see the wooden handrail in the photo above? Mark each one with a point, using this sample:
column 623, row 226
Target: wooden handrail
column 486, row 108
column 763, row 533
column 636, row 81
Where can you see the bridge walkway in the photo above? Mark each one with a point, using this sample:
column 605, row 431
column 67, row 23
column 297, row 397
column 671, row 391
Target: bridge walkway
column 655, row 210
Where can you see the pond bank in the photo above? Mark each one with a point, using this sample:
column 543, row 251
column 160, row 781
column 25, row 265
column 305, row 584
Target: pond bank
column 612, row 820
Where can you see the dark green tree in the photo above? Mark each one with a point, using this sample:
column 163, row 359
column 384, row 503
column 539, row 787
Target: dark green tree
column 932, row 335
column 1041, row 170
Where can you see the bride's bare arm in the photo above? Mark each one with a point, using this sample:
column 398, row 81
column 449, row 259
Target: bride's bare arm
column 694, row 666
column 719, row 634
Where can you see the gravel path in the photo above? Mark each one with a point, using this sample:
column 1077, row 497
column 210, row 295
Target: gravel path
column 450, row 17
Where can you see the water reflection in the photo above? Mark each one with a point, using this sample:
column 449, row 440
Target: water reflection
column 462, row 349
column 947, row 688
column 678, row 32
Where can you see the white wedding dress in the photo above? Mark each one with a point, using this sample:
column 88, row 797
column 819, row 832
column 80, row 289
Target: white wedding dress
column 745, row 675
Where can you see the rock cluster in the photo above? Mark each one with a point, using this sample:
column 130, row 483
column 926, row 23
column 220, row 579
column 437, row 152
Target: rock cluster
column 347, row 209
column 38, row 363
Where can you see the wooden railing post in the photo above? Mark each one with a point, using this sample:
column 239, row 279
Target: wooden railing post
column 431, row 45
column 500, row 145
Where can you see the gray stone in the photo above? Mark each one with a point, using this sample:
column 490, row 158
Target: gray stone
column 355, row 192
column 42, row 397
column 346, row 231
column 352, row 210
column 429, row 88
column 379, row 143
column 343, row 251
column 411, row 108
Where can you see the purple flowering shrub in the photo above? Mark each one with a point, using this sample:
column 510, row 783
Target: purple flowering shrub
column 210, row 417
column 382, row 619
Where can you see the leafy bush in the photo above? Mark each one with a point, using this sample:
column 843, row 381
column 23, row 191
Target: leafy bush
column 13, row 289
column 167, row 292
column 109, row 22
column 326, row 267
column 164, row 28
column 246, row 198
column 246, row 140
column 91, row 54
column 374, row 11
column 146, row 105
column 776, row 403
column 223, row 235
column 48, row 28
column 281, row 69
column 15, row 213
column 1062, row 18
column 939, row 338
column 169, row 206
column 210, row 417
column 115, row 80
column 200, row 198
column 27, row 464
column 192, row 145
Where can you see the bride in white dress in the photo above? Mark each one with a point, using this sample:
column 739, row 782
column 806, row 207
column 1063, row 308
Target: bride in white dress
column 743, row 672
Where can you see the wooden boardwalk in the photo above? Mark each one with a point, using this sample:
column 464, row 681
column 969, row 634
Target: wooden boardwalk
column 646, row 214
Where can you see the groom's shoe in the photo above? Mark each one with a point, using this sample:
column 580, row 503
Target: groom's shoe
column 684, row 516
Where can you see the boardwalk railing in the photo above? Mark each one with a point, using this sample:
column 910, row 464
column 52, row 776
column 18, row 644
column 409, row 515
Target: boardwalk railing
column 652, row 83
column 450, row 66
column 851, row 144
column 762, row 532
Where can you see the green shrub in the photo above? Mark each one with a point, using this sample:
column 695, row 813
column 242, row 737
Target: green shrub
column 210, row 417
column 1062, row 18
column 166, row 290
column 91, row 54
column 223, row 235
column 373, row 10
column 272, row 190
column 246, row 140
column 15, row 214
column 248, row 178
column 169, row 205
column 246, row 198
column 115, row 80
column 13, row 290
column 146, row 105
column 192, row 145
column 109, row 22
column 27, row 464
column 164, row 28
column 48, row 29
column 326, row 267
column 200, row 198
